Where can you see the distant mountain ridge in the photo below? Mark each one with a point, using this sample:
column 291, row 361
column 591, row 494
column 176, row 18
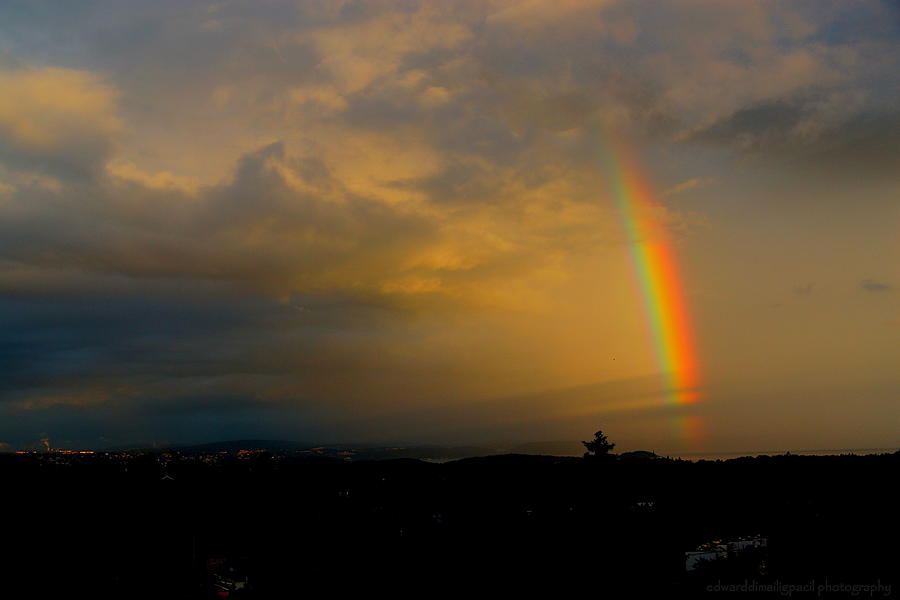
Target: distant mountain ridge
column 367, row 452
column 235, row 445
column 439, row 453
column 554, row 448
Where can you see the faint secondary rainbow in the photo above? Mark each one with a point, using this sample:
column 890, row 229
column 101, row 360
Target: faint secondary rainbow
column 656, row 268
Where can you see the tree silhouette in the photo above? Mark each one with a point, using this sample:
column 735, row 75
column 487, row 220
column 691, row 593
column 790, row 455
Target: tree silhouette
column 599, row 447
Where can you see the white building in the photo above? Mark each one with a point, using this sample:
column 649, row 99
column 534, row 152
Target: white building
column 691, row 559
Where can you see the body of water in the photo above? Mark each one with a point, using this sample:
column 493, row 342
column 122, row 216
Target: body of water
column 823, row 452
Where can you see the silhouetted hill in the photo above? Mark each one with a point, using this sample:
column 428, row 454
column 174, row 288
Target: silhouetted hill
column 235, row 445
column 345, row 451
column 555, row 448
column 639, row 455
column 166, row 526
column 421, row 452
column 514, row 460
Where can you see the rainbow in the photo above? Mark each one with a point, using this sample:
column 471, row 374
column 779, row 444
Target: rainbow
column 655, row 265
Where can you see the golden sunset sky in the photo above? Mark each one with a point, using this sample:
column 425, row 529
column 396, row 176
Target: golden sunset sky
column 391, row 222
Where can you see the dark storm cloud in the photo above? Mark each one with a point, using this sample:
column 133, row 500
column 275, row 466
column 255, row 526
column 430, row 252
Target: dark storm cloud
column 870, row 285
column 796, row 130
column 257, row 229
column 71, row 341
column 767, row 120
column 155, row 359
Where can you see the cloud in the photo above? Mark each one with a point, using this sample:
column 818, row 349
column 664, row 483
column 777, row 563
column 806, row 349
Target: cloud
column 870, row 285
column 285, row 223
column 423, row 179
column 804, row 290
column 60, row 121
column 811, row 135
column 689, row 184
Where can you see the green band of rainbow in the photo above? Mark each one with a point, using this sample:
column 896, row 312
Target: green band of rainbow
column 656, row 267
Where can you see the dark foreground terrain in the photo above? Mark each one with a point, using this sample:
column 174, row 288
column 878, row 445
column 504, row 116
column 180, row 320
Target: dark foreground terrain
column 255, row 525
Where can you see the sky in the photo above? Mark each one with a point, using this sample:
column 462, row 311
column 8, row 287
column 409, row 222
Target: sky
column 397, row 222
